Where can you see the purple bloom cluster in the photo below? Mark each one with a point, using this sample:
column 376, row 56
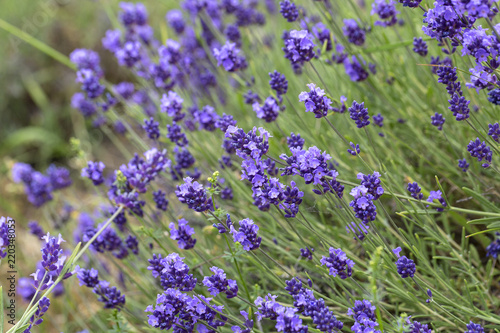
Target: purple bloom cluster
column 289, row 10
column 386, row 10
column 299, row 47
column 438, row 196
column 183, row 235
column 278, row 83
column 372, row 183
column 363, row 205
column 416, row 327
column 152, row 128
column 406, row 267
column 173, row 272
column 248, row 145
column 224, row 122
column 160, row 200
column 246, row 235
column 458, row 104
column 268, row 111
column 4, row 236
column 171, row 103
column 419, row 46
column 184, row 313
column 37, row 186
column 494, row 131
column 462, row 164
column 93, row 171
column 287, row 319
column 474, row 328
column 315, row 101
column 228, row 56
column 194, row 195
column 493, row 250
column 354, row 33
column 359, row 114
column 414, row 190
column 107, row 241
column 481, row 151
column 36, row 319
column 110, row 296
column 438, row 120
column 307, row 253
column 88, row 277
column 176, row 135
column 295, row 141
column 35, row 229
column 363, row 314
column 355, row 150
column 217, row 283
column 338, row 263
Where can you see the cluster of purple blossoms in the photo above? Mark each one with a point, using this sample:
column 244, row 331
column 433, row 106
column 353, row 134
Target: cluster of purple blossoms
column 289, row 10
column 194, row 195
column 308, row 305
column 295, row 141
column 410, row 3
column 355, row 150
column 287, row 319
column 299, row 48
column 107, row 241
column 175, row 20
column 224, row 122
column 354, row 33
column 269, row 110
column 160, row 200
column 493, row 250
column 338, row 263
column 248, row 324
column 232, row 32
column 363, row 314
column 36, row 319
column 438, row 120
column 481, row 151
column 415, row 190
column 406, row 267
column 184, row 313
column 362, row 204
column 359, row 114
column 172, row 271
column 246, row 235
column 217, row 283
column 439, row 197
column 474, row 328
column 228, row 56
column 494, row 131
column 183, row 235
column 458, row 104
column 248, row 145
column 292, row 198
column 419, row 46
column 313, row 166
column 38, row 186
column 386, row 10
column 372, row 183
column 307, row 253
column 110, row 296
column 171, row 103
column 176, row 135
column 494, row 96
column 355, row 67
column 416, row 327
column 35, row 229
column 462, row 164
column 315, row 101
column 152, row 128
column 278, row 83
column 93, row 171
column 4, row 236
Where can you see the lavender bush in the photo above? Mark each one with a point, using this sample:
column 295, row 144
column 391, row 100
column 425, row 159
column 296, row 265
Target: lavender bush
column 274, row 167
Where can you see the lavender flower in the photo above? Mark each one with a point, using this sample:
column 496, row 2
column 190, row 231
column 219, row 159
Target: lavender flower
column 378, row 120
column 363, row 313
column 414, row 190
column 372, row 183
column 355, row 150
column 438, row 121
column 474, row 328
column 248, row 144
column 359, row 114
column 59, row 177
column 494, row 131
column 171, row 103
column 493, row 250
column 246, row 235
column 52, row 258
column 307, row 252
column 387, row 12
column 295, row 141
column 152, row 128
column 278, row 83
column 4, row 237
column 406, row 267
column 268, row 111
column 354, row 68
column 224, row 122
column 338, row 263
column 228, row 57
column 419, row 46
column 175, row 134
column 88, row 278
column 416, row 327
column 183, row 235
column 110, row 296
column 129, row 54
column 35, row 229
column 315, row 101
column 194, row 195
column 175, row 20
column 36, row 318
column 410, row 3
column 480, row 151
column 353, row 32
column 173, row 272
column 462, row 164
column 160, row 200
column 299, row 47
column 217, row 283
column 289, row 10
column 93, row 171
column 363, row 205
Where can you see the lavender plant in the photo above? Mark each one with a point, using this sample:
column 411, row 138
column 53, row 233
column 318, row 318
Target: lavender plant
column 217, row 202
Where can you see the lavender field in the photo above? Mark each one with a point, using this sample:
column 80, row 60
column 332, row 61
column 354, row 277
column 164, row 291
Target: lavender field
column 252, row 166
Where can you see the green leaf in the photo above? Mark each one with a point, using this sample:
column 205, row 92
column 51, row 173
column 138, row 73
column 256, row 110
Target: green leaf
column 485, row 202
